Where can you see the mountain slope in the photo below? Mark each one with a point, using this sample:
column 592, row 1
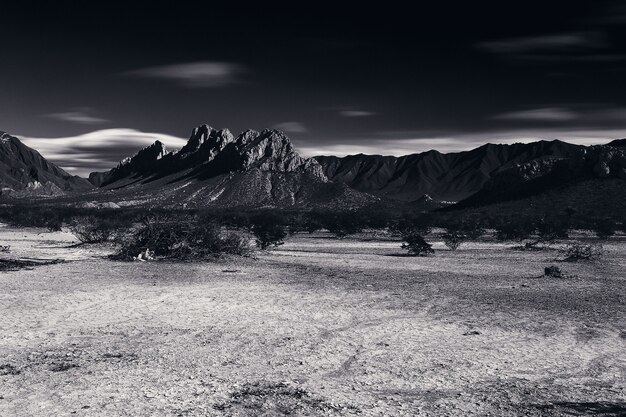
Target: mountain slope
column 214, row 168
column 588, row 164
column 444, row 177
column 25, row 173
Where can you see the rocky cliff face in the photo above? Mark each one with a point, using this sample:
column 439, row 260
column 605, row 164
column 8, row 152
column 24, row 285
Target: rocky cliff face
column 25, row 173
column 271, row 150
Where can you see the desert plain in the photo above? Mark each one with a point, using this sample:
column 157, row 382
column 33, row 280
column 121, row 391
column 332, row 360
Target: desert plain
column 316, row 327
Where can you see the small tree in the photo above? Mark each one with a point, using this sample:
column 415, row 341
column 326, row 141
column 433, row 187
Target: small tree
column 90, row 230
column 454, row 238
column 551, row 229
column 342, row 224
column 471, row 228
column 515, row 229
column 268, row 230
column 604, row 228
column 415, row 243
column 421, row 224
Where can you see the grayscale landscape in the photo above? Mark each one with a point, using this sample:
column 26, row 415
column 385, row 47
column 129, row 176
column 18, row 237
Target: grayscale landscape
column 310, row 209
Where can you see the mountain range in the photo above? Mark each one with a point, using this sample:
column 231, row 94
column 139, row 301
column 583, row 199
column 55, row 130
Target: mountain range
column 25, row 173
column 262, row 169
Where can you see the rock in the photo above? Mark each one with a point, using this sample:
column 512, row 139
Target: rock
column 553, row 271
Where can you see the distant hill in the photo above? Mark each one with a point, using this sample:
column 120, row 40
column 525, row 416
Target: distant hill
column 443, row 177
column 25, row 173
column 587, row 165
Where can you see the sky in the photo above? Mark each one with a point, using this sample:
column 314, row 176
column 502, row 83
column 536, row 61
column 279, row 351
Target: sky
column 89, row 83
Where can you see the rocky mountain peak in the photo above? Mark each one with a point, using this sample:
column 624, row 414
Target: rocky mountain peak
column 208, row 138
column 271, row 150
column 147, row 155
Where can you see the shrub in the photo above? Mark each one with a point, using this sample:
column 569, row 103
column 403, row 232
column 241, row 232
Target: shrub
column 453, row 239
column 172, row 238
column 582, row 252
column 553, row 271
column 415, row 243
column 341, row 224
column 518, row 229
column 421, row 224
column 90, row 230
column 604, row 228
column 551, row 229
column 268, row 230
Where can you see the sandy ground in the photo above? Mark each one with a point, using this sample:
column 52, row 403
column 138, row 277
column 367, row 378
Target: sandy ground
column 316, row 327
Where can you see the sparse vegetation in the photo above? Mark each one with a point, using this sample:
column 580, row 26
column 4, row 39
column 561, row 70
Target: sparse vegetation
column 171, row 238
column 91, row 230
column 515, row 229
column 453, row 239
column 604, row 228
column 553, row 271
column 582, row 252
column 341, row 224
column 268, row 230
column 415, row 243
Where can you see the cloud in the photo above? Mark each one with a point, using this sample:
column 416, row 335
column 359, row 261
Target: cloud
column 550, row 114
column 205, row 74
column 77, row 116
column 568, row 47
column 99, row 150
column 291, row 127
column 356, row 113
column 598, row 115
column 560, row 42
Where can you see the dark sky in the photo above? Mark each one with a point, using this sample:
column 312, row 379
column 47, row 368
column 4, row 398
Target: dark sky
column 336, row 78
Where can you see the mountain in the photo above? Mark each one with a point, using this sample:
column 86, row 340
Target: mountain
column 588, row 165
column 215, row 168
column 444, row 177
column 25, row 173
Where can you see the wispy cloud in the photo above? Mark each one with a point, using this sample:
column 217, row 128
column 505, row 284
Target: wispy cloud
column 356, row 113
column 99, row 150
column 78, row 116
column 568, row 47
column 558, row 42
column 204, row 74
column 596, row 115
column 291, row 127
column 349, row 111
column 549, row 114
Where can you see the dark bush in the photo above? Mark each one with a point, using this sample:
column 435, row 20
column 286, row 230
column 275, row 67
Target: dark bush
column 515, row 229
column 90, row 230
column 341, row 224
column 454, row 238
column 551, row 229
column 173, row 238
column 420, row 223
column 416, row 245
column 604, row 228
column 268, row 229
column 553, row 271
